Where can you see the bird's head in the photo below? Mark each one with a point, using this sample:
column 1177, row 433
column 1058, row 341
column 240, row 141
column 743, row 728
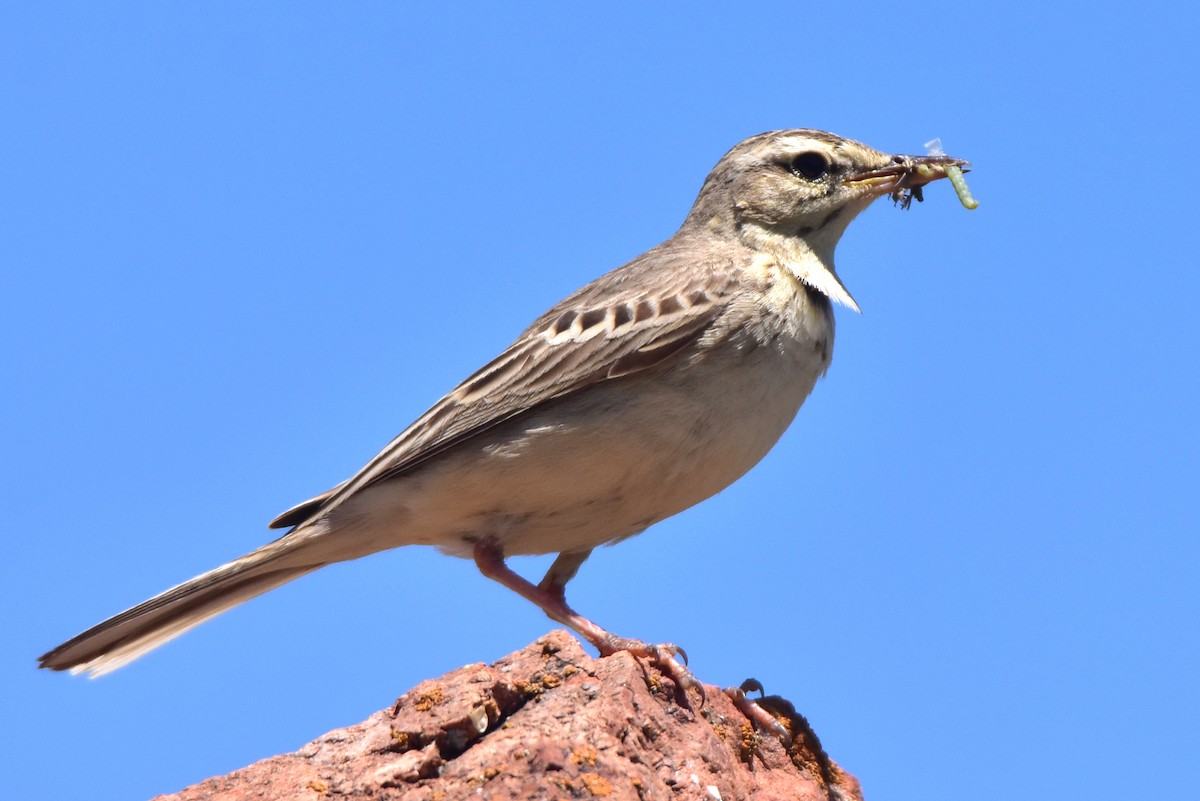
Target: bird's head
column 792, row 193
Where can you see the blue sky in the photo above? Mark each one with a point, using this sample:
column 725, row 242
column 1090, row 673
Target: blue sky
column 246, row 244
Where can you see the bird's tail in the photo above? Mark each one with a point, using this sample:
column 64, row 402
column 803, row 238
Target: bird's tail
column 125, row 637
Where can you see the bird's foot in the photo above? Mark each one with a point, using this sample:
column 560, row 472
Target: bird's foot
column 662, row 655
column 550, row 596
column 755, row 713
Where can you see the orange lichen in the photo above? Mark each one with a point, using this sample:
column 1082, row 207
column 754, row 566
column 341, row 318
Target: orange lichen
column 429, row 699
column 596, row 784
column 585, row 755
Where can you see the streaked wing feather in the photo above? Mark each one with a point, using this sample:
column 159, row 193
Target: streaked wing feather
column 615, row 327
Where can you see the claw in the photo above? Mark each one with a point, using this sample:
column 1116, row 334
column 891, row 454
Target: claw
column 662, row 656
column 755, row 713
column 680, row 674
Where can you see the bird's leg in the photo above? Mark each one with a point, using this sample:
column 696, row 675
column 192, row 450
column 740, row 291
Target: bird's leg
column 565, row 566
column 550, row 596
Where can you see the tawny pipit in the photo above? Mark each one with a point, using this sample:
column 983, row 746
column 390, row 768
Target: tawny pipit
column 641, row 394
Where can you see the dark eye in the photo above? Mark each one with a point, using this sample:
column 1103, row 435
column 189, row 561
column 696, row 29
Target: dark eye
column 810, row 166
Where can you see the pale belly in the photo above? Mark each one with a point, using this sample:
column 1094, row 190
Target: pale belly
column 593, row 468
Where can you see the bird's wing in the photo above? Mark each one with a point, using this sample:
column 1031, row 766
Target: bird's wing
column 631, row 320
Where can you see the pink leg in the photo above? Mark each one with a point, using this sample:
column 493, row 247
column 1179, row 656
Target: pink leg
column 550, row 596
column 755, row 713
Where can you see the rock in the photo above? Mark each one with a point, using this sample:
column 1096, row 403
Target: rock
column 550, row 722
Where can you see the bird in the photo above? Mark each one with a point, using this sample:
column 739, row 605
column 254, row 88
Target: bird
column 639, row 395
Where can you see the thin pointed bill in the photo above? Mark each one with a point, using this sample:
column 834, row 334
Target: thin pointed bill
column 903, row 179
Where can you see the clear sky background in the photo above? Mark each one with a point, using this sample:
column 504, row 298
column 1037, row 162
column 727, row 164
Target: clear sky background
column 243, row 245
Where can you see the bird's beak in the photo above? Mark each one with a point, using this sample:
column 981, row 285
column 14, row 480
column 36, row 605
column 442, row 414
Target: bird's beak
column 904, row 174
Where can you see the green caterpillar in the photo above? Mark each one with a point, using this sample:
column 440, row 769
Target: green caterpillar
column 955, row 174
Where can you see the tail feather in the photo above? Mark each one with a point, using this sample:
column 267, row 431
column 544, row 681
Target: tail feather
column 133, row 633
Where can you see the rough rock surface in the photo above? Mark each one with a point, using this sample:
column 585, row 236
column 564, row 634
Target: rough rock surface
column 549, row 722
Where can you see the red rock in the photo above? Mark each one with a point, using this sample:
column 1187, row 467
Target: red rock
column 549, row 722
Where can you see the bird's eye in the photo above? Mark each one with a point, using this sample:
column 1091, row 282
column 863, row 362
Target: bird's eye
column 811, row 165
